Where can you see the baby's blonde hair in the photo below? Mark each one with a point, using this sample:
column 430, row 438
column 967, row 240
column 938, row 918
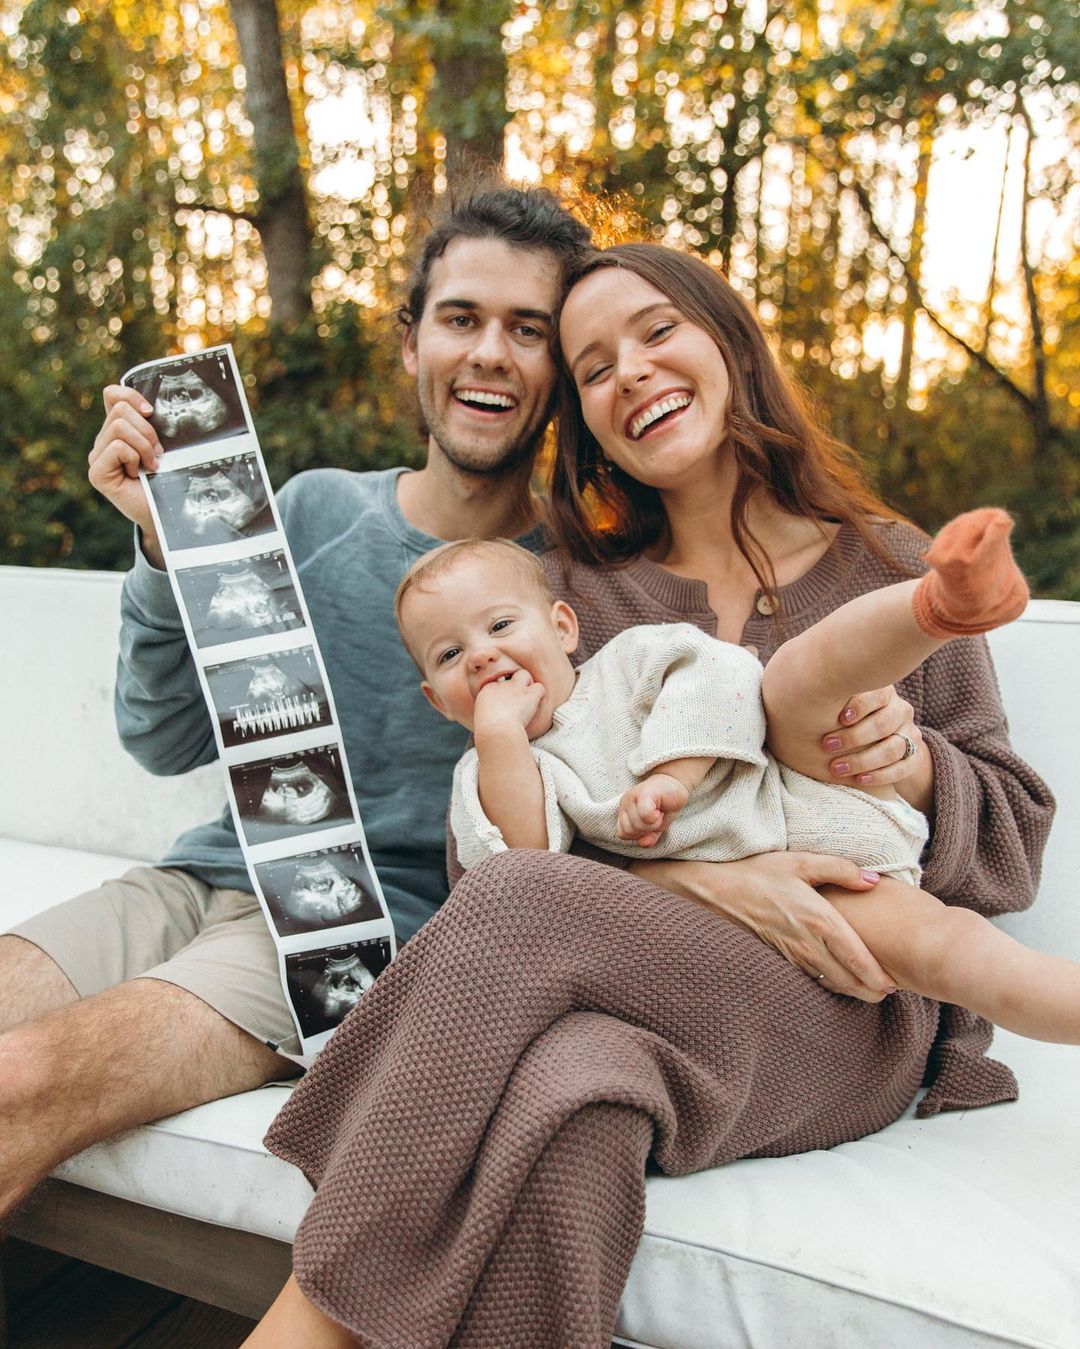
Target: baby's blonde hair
column 443, row 559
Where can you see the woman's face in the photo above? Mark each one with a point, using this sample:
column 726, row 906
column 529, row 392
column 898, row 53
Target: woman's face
column 653, row 386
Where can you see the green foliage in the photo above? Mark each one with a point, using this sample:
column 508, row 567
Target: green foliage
column 317, row 400
column 784, row 142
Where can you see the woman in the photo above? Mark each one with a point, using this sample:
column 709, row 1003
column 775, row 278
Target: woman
column 478, row 1129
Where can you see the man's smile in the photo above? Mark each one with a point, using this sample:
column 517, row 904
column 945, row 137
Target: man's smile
column 485, row 401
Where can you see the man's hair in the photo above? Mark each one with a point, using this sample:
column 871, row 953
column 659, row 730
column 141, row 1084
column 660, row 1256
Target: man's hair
column 530, row 218
column 443, row 559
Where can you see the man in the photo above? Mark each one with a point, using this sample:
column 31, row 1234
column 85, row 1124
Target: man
column 160, row 990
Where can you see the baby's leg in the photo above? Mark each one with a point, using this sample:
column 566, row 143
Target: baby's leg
column 957, row 956
column 880, row 637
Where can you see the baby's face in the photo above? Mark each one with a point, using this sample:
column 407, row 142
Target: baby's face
column 478, row 623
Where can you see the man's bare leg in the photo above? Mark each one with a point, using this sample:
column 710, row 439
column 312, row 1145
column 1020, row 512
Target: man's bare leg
column 31, row 983
column 98, row 1066
column 954, row 955
column 293, row 1320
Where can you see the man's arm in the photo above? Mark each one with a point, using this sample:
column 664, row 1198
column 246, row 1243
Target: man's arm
column 161, row 715
column 126, row 443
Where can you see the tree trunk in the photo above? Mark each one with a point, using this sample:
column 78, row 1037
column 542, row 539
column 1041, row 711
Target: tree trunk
column 759, row 228
column 282, row 217
column 467, row 102
column 915, row 252
column 732, row 164
column 789, row 268
column 1040, row 397
column 991, row 288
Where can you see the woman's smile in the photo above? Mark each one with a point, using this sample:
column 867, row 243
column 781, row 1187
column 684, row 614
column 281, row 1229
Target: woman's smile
column 658, row 412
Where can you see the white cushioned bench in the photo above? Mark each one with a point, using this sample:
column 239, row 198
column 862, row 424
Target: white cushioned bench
column 963, row 1230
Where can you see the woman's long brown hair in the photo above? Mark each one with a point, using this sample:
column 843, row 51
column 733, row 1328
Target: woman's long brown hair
column 601, row 515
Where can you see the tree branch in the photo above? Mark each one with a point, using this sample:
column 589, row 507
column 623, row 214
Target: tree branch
column 251, row 217
column 914, row 289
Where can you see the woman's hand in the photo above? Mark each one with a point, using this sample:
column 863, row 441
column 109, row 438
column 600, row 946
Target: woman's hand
column 870, row 747
column 772, row 895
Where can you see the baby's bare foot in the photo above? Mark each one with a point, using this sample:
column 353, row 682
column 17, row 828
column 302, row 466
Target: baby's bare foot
column 974, row 584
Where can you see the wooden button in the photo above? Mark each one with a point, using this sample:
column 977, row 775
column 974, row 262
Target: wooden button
column 765, row 606
column 749, row 646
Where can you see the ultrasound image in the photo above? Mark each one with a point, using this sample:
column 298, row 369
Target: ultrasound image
column 195, row 399
column 319, row 890
column 266, row 696
column 229, row 601
column 213, row 503
column 291, row 794
column 326, row 985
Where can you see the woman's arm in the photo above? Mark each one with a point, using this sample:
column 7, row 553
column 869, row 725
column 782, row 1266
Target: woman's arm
column 773, row 896
column 992, row 811
column 989, row 811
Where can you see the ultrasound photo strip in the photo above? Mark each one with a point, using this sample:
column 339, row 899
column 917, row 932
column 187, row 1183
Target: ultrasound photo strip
column 218, row 502
column 266, row 689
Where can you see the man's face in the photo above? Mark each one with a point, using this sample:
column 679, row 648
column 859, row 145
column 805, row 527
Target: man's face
column 481, row 356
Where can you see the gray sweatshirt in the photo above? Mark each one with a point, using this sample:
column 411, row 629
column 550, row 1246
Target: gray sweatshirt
column 351, row 546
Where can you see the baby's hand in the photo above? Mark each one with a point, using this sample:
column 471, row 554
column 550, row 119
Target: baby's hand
column 647, row 808
column 507, row 702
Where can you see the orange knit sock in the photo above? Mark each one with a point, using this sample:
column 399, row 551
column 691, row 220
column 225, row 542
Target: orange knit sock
column 974, row 584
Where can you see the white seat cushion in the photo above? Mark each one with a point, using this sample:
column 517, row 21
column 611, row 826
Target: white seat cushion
column 963, row 1230
column 958, row 1230
column 918, row 1235
column 36, row 876
column 206, row 1163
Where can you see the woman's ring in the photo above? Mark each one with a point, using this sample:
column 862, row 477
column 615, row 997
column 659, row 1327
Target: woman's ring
column 910, row 747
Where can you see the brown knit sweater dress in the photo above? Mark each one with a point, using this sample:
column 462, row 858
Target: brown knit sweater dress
column 478, row 1128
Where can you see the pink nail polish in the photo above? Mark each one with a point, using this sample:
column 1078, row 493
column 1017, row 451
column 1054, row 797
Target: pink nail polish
column 832, row 742
column 889, row 991
column 848, row 714
column 872, row 876
column 863, row 777
column 841, row 769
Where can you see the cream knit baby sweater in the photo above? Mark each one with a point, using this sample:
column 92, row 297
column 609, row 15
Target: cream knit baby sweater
column 669, row 691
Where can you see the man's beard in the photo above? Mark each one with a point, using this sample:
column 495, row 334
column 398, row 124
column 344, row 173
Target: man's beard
column 490, row 462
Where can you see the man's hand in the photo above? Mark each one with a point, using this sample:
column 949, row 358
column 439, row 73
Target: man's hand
column 647, row 808
column 507, row 703
column 127, row 442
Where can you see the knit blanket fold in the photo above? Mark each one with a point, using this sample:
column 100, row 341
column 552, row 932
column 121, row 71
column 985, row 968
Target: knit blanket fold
column 477, row 1129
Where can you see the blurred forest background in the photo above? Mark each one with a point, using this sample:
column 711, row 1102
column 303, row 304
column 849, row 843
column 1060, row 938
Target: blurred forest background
column 894, row 183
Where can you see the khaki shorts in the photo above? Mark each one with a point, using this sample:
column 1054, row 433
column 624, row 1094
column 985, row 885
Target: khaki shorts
column 158, row 923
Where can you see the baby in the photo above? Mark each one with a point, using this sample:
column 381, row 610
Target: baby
column 655, row 746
